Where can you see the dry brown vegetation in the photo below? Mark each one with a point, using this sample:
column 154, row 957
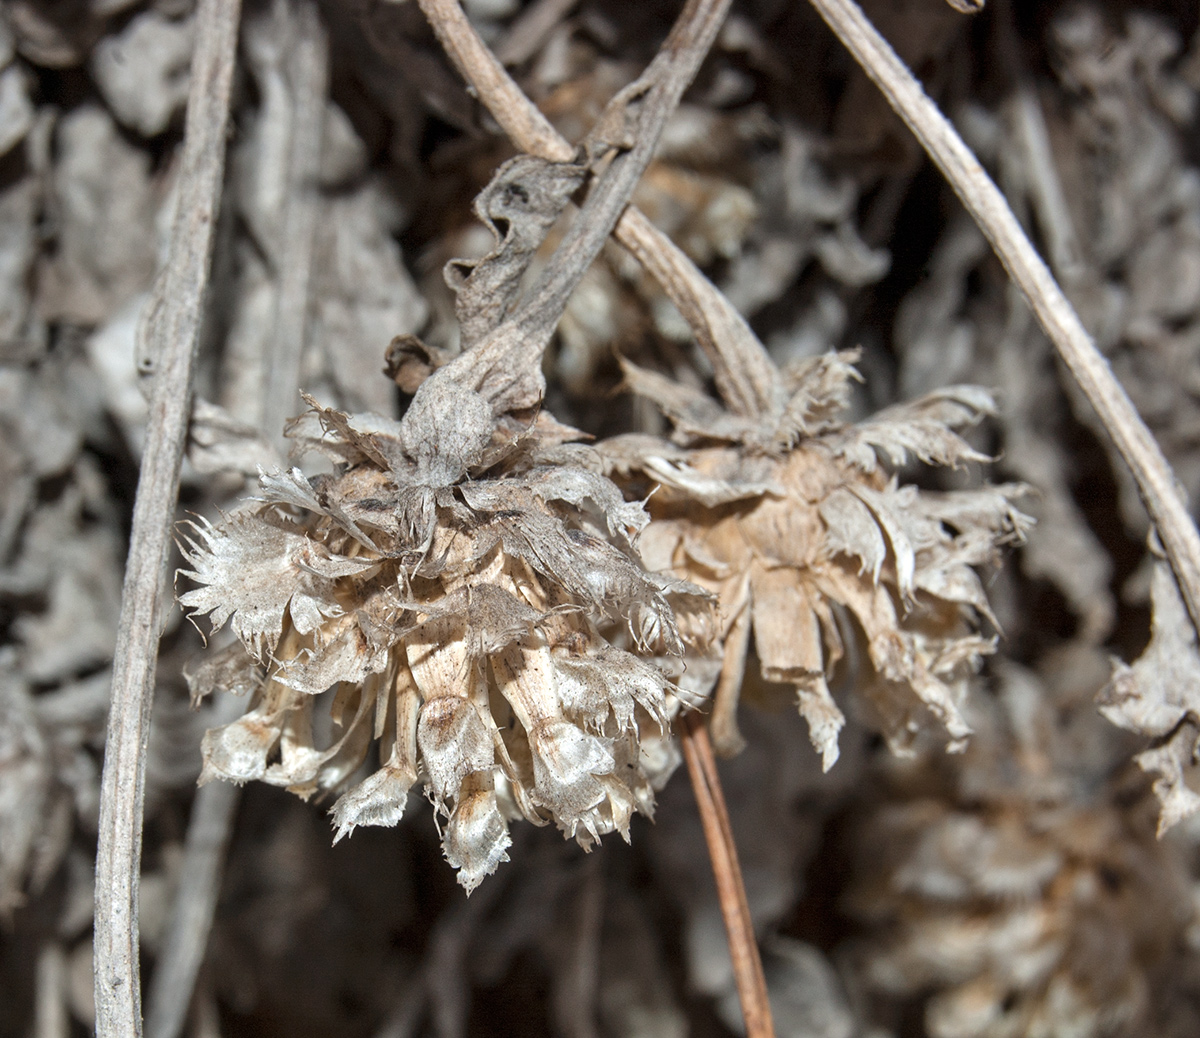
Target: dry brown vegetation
column 653, row 464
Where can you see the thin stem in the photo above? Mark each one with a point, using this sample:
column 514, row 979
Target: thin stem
column 307, row 66
column 182, row 954
column 1156, row 482
column 745, row 375
column 172, row 343
column 731, row 891
column 192, row 915
column 509, row 358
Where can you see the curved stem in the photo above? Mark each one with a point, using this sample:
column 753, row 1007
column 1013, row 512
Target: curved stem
column 1156, row 482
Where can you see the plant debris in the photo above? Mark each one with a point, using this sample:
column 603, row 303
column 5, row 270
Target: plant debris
column 570, row 378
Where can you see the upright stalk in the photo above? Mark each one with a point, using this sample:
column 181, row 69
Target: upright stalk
column 172, row 336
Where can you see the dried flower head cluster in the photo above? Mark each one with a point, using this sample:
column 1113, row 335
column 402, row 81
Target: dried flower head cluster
column 1023, row 921
column 460, row 620
column 786, row 514
column 455, row 579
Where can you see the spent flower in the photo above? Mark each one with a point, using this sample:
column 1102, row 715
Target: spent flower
column 789, row 517
column 465, row 579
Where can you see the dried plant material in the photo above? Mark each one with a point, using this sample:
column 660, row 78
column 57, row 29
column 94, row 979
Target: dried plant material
column 783, row 178
column 461, row 622
column 806, row 995
column 33, row 830
column 56, row 555
column 19, row 206
column 1118, row 140
column 808, row 216
column 1159, row 696
column 1032, row 896
column 749, row 981
column 105, row 205
column 16, row 109
column 944, row 332
column 1023, row 926
column 143, row 72
column 709, row 215
column 796, row 527
column 363, row 296
column 1152, row 472
column 172, row 338
column 450, row 578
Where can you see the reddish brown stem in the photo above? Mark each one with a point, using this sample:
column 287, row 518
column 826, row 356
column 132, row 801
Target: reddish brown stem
column 731, row 891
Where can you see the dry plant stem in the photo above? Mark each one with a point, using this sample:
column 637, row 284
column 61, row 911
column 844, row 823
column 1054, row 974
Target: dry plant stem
column 731, row 891
column 308, row 76
column 182, row 288
column 649, row 100
column 574, row 1000
column 445, row 970
column 216, row 803
column 640, row 110
column 744, row 372
column 1045, row 185
column 182, row 955
column 50, row 1016
column 1156, row 482
column 530, row 29
column 191, row 918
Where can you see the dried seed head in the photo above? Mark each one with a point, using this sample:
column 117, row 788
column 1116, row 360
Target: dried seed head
column 462, row 623
column 789, row 518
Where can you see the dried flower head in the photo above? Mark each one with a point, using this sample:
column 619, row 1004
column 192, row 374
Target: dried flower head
column 465, row 579
column 787, row 515
column 1023, row 921
column 461, row 625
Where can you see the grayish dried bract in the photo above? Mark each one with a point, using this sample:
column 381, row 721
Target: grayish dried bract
column 812, row 547
column 36, row 804
column 1159, row 696
column 457, row 579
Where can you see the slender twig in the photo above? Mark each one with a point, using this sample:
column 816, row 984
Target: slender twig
column 192, row 915
column 1156, row 482
column 744, row 373
column 50, row 1016
column 173, row 338
column 307, row 65
column 509, row 355
column 182, row 953
column 1044, row 184
column 573, row 997
column 731, row 891
column 529, row 30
